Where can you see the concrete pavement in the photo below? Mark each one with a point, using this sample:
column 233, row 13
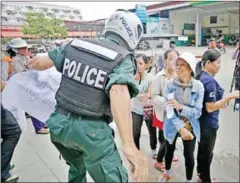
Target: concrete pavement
column 37, row 160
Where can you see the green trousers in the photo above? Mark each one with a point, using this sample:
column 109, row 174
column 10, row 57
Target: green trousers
column 87, row 145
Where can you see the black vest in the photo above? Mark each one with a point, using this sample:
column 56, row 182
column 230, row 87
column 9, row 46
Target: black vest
column 86, row 68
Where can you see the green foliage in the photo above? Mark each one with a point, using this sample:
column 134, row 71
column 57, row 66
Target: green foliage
column 44, row 26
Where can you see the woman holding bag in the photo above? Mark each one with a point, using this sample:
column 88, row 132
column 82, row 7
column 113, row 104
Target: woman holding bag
column 158, row 85
column 141, row 105
column 183, row 98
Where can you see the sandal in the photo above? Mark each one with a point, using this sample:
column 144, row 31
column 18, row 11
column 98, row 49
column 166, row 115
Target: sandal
column 175, row 159
column 165, row 177
column 43, row 131
column 159, row 166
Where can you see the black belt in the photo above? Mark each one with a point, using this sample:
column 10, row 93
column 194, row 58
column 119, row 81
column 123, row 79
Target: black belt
column 66, row 113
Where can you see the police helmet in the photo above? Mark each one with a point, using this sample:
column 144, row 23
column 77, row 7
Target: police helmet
column 127, row 25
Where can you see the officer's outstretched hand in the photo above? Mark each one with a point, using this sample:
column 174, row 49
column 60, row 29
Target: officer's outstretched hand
column 41, row 62
column 139, row 163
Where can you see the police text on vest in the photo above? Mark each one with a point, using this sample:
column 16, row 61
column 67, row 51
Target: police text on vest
column 85, row 74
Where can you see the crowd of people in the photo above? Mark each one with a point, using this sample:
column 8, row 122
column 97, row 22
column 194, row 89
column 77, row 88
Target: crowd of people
column 182, row 100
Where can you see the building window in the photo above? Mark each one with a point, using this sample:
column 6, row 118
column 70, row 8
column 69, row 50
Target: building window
column 76, row 11
column 213, row 19
column 66, row 11
column 188, row 26
column 164, row 14
column 55, row 10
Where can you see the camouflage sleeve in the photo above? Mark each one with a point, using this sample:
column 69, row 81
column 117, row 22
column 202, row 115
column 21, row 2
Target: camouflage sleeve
column 124, row 74
column 57, row 56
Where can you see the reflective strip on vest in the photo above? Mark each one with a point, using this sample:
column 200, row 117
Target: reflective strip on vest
column 95, row 48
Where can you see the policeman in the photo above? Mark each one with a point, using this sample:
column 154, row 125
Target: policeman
column 97, row 84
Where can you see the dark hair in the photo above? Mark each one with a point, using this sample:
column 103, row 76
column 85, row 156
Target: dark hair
column 210, row 55
column 11, row 53
column 145, row 59
column 165, row 55
column 143, row 56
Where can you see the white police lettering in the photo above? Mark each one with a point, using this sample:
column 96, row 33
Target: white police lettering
column 90, row 80
column 100, row 78
column 130, row 34
column 72, row 68
column 76, row 77
column 85, row 74
column 66, row 65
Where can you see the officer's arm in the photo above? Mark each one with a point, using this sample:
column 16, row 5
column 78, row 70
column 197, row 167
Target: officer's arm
column 55, row 57
column 121, row 88
column 120, row 106
column 40, row 63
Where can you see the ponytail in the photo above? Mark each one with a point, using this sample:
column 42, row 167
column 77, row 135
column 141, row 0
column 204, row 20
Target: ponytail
column 199, row 68
column 210, row 55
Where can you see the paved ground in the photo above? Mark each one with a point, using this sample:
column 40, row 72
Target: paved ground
column 37, row 160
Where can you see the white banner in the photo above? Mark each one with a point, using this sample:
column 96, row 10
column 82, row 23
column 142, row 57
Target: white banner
column 33, row 92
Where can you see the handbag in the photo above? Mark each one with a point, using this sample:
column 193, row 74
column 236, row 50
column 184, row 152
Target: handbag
column 156, row 122
column 148, row 111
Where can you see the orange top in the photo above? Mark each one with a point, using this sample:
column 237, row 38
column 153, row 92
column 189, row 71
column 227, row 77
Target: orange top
column 9, row 61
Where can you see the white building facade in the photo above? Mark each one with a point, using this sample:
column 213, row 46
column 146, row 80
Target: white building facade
column 13, row 13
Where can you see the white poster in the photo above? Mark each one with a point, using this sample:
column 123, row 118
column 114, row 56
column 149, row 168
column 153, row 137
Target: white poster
column 33, row 92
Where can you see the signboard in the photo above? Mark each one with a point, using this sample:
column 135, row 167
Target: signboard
column 141, row 12
column 158, row 25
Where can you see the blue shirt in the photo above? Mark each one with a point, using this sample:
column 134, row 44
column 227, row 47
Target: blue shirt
column 213, row 93
column 192, row 111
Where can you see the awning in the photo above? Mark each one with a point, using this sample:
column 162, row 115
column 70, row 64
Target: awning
column 14, row 34
column 81, row 34
column 170, row 8
column 211, row 9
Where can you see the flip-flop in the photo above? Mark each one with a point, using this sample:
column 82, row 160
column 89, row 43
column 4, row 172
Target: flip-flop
column 159, row 166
